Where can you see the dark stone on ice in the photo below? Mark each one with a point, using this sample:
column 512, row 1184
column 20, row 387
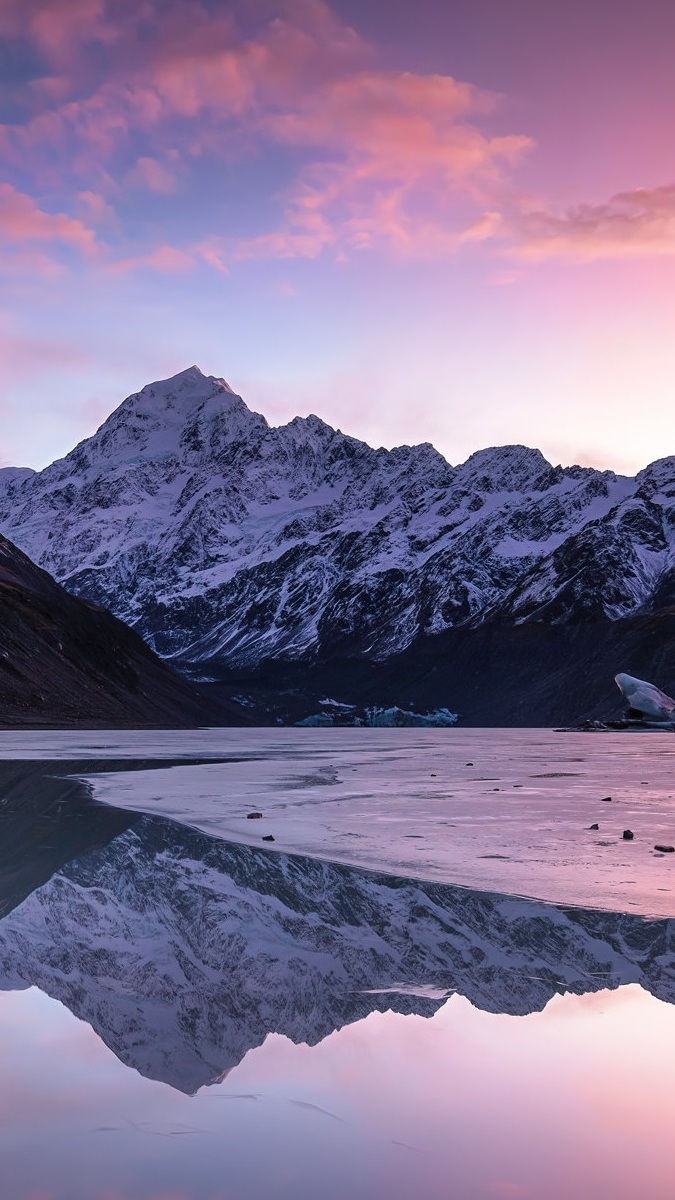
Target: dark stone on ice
column 253, row 816
column 606, row 800
column 596, row 826
column 628, row 835
column 268, row 837
column 665, row 849
column 469, row 764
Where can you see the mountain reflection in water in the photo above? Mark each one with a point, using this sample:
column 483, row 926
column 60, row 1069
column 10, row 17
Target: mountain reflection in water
column 183, row 951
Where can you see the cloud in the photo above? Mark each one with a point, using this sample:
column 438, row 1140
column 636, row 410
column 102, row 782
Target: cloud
column 98, row 210
column 152, row 92
column 54, row 25
column 23, row 356
column 174, row 260
column 484, row 227
column 148, row 173
column 212, row 252
column 392, row 150
column 634, row 224
column 22, row 220
column 143, row 91
column 168, row 260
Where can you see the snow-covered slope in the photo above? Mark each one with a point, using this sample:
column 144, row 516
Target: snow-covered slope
column 183, row 952
column 223, row 540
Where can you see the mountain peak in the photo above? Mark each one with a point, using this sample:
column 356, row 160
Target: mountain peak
column 505, row 468
column 658, row 475
column 190, row 384
column 166, row 404
column 193, row 376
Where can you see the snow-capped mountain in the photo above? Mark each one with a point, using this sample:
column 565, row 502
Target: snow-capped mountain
column 183, row 952
column 225, row 541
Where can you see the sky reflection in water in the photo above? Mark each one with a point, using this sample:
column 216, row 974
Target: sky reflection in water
column 576, row 1100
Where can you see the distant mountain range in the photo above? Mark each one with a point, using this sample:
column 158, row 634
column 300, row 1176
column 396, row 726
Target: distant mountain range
column 300, row 558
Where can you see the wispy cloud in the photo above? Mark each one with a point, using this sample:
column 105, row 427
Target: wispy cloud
column 24, row 356
column 391, row 150
column 22, row 220
column 634, row 224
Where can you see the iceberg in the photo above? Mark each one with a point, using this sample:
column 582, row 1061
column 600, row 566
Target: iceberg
column 645, row 701
column 382, row 718
column 337, row 714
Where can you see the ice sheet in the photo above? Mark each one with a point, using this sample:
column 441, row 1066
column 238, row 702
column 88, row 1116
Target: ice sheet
column 407, row 802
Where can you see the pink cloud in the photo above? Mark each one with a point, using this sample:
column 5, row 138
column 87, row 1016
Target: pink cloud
column 52, row 22
column 639, row 223
column 174, row 260
column 391, row 160
column 59, row 26
column 484, row 227
column 97, row 208
column 169, row 260
column 153, row 175
column 37, row 265
column 23, row 356
column 393, row 149
column 385, row 151
column 21, row 220
column 212, row 252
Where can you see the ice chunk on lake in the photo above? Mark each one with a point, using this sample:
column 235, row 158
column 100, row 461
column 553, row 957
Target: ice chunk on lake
column 645, row 699
column 336, row 714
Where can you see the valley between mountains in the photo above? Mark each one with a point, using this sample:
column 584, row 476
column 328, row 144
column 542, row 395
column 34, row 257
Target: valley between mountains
column 280, row 566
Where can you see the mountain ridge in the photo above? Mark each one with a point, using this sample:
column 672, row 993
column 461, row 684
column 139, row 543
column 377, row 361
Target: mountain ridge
column 230, row 544
column 64, row 661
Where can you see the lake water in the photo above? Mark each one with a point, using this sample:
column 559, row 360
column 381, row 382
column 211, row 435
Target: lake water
column 189, row 1011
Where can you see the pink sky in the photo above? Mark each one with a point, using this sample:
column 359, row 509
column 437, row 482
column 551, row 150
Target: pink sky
column 573, row 1101
column 435, row 222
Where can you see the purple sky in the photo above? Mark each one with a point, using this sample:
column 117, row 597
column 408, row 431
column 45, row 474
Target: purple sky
column 444, row 222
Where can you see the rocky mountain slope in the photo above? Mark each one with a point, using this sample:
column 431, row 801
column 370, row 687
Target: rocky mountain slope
column 230, row 545
column 183, row 952
column 64, row 661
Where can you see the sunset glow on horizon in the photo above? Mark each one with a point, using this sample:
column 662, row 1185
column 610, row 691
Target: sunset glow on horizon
column 425, row 223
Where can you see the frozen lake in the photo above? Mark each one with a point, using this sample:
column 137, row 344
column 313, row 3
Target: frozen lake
column 507, row 810
column 435, row 981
